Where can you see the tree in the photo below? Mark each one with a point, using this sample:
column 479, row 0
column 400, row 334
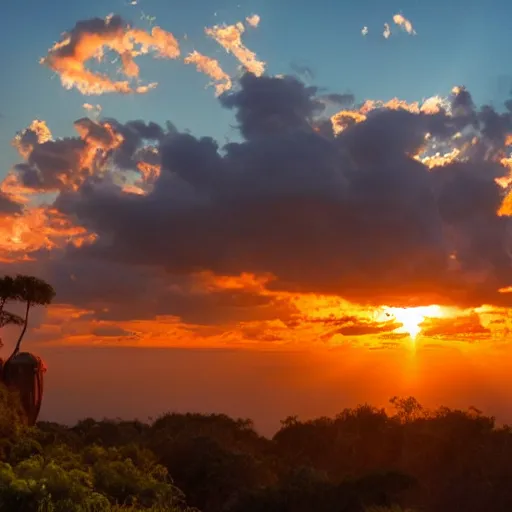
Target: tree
column 34, row 292
column 7, row 293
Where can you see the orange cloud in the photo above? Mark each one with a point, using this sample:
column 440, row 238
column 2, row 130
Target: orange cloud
column 62, row 163
column 149, row 171
column 148, row 165
column 467, row 326
column 316, row 321
column 253, row 20
column 89, row 40
column 211, row 68
column 316, row 327
column 245, row 281
column 37, row 133
column 345, row 118
column 13, row 188
column 92, row 110
column 230, row 38
column 439, row 159
column 403, row 22
column 37, row 228
column 99, row 138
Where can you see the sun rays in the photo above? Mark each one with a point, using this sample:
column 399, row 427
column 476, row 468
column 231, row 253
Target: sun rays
column 412, row 318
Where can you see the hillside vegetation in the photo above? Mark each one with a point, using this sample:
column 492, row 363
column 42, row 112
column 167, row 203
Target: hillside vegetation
column 362, row 460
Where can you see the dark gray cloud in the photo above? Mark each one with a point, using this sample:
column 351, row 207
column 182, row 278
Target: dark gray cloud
column 355, row 215
column 8, row 206
column 266, row 105
column 113, row 291
column 62, row 164
column 135, row 134
column 53, row 165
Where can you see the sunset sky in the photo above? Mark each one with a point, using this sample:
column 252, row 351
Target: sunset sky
column 263, row 208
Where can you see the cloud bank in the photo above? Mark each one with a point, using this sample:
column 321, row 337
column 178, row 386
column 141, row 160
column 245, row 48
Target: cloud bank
column 276, row 237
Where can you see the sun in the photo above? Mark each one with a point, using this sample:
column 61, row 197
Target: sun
column 412, row 318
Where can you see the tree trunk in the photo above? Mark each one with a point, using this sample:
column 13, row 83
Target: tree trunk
column 23, row 331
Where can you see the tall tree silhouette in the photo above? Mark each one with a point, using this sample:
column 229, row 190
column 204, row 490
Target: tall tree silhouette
column 8, row 293
column 34, row 292
column 7, row 318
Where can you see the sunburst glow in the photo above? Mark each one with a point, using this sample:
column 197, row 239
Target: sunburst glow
column 412, row 318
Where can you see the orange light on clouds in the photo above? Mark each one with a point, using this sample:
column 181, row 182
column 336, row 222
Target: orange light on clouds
column 344, row 118
column 253, row 20
column 439, row 159
column 69, row 56
column 212, row 69
column 230, row 38
column 38, row 228
column 305, row 318
column 400, row 20
column 412, row 318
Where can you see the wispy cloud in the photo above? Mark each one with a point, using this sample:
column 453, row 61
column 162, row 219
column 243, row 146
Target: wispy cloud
column 403, row 22
column 211, row 68
column 90, row 38
column 230, row 38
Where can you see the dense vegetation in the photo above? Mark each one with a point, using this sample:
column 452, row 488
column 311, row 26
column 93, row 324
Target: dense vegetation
column 361, row 460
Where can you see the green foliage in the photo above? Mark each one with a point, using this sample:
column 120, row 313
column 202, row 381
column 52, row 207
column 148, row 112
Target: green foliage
column 96, row 479
column 11, row 415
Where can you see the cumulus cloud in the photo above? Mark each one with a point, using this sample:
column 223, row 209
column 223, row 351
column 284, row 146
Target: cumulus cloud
column 124, row 154
column 384, row 203
column 387, row 31
column 89, row 39
column 57, row 164
column 356, row 214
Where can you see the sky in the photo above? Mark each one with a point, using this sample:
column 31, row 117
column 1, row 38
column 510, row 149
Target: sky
column 260, row 208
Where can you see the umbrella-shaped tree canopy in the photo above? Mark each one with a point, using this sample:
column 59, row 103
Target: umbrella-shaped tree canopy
column 34, row 292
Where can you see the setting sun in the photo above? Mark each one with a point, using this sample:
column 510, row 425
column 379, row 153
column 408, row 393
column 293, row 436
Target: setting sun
column 412, row 318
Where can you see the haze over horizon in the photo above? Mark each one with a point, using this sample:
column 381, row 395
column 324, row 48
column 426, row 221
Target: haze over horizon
column 259, row 209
